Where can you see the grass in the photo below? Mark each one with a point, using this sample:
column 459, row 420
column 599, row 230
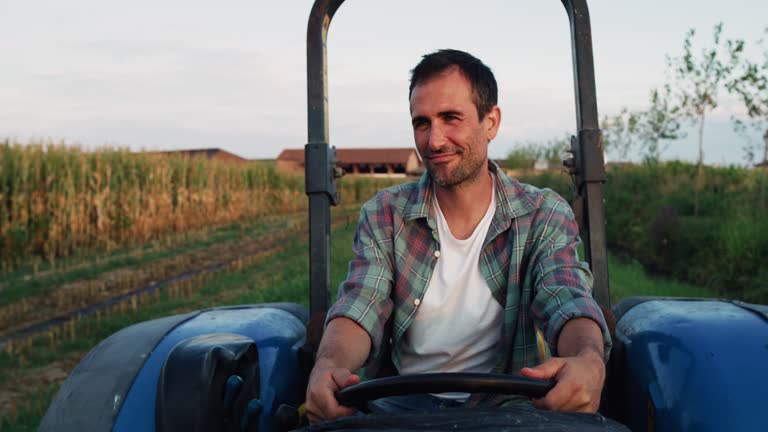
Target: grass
column 282, row 276
column 23, row 282
column 628, row 279
column 29, row 416
column 278, row 277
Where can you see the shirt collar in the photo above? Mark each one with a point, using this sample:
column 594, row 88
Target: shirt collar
column 511, row 199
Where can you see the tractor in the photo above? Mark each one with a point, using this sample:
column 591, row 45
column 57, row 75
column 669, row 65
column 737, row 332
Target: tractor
column 678, row 364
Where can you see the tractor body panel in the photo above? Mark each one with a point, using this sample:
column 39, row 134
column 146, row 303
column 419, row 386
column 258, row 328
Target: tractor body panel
column 693, row 365
column 278, row 331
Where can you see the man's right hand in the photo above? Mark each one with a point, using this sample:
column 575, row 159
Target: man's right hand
column 324, row 381
column 344, row 348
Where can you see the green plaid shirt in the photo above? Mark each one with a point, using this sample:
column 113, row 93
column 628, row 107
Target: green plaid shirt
column 529, row 260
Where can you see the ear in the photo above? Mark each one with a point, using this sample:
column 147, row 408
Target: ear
column 491, row 122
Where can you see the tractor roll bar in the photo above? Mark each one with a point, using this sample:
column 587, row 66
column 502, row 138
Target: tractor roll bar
column 586, row 166
column 319, row 158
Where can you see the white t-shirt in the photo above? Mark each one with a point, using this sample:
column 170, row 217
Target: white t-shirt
column 457, row 325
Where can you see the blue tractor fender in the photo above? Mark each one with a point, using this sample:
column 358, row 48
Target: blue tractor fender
column 123, row 383
column 689, row 365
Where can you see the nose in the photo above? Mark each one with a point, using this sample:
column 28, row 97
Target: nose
column 436, row 138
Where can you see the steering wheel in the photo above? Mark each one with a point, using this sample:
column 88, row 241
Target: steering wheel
column 357, row 395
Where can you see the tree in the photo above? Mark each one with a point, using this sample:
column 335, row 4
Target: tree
column 699, row 80
column 620, row 133
column 751, row 84
column 523, row 156
column 554, row 150
column 661, row 122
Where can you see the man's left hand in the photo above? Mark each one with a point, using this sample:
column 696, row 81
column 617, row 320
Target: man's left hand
column 579, row 382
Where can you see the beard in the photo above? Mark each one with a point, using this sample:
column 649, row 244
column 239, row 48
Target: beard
column 469, row 167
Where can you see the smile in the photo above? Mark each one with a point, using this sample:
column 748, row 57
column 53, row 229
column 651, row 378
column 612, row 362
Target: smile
column 442, row 157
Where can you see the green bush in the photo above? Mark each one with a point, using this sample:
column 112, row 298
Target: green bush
column 649, row 218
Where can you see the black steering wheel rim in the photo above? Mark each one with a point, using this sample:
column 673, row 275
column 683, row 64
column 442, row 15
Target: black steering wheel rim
column 358, row 395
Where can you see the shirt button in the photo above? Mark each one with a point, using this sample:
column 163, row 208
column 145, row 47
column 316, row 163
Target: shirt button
column 417, row 302
column 437, row 254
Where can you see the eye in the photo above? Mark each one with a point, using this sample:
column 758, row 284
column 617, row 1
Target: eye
column 419, row 124
column 451, row 117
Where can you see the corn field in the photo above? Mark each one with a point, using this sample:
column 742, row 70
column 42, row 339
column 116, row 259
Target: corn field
column 58, row 201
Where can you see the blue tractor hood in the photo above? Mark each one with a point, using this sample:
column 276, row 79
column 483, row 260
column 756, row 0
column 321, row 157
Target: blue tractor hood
column 688, row 365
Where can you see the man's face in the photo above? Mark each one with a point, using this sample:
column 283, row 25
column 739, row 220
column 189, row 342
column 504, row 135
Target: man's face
column 451, row 140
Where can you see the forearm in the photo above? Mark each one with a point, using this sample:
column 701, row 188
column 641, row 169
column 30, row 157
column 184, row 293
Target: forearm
column 562, row 288
column 578, row 369
column 580, row 337
column 344, row 345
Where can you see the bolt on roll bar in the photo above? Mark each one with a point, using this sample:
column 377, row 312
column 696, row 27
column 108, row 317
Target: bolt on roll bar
column 586, row 166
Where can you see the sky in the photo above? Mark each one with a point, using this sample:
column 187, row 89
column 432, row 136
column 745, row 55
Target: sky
column 232, row 74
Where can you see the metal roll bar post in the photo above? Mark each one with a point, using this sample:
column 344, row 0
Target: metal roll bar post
column 319, row 158
column 587, row 165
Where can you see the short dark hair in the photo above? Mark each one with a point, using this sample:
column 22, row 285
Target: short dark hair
column 480, row 76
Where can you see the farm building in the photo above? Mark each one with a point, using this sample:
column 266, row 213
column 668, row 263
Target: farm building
column 381, row 162
column 209, row 153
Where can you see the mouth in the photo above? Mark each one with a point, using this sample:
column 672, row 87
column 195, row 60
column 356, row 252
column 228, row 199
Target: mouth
column 439, row 158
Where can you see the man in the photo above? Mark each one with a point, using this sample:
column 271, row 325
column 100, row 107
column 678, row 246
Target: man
column 457, row 272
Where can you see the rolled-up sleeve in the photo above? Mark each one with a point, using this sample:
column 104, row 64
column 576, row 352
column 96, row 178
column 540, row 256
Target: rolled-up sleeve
column 562, row 283
column 364, row 296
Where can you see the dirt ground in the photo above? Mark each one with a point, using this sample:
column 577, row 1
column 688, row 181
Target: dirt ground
column 71, row 297
column 24, row 385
